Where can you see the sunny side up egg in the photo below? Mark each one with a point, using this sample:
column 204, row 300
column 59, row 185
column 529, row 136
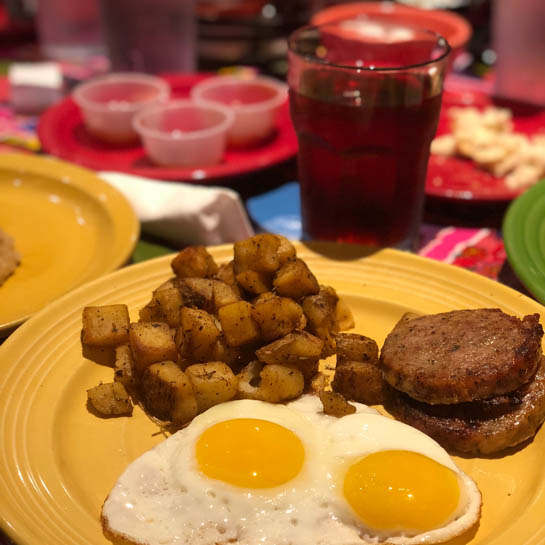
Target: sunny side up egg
column 251, row 473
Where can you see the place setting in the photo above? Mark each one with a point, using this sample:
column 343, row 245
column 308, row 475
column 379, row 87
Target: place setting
column 186, row 360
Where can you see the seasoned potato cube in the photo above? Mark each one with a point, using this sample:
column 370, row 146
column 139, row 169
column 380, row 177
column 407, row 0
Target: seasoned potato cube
column 110, row 399
column 276, row 316
column 307, row 366
column 197, row 293
column 103, row 355
column 213, row 383
column 344, row 319
column 357, row 373
column 169, row 301
column 124, row 367
column 272, row 383
column 295, row 280
column 200, row 334
column 106, row 325
column 286, row 250
column 237, row 323
column 194, row 261
column 294, row 346
column 226, row 273
column 335, row 404
column 258, row 253
column 167, row 393
column 354, row 347
column 320, row 310
column 151, row 342
column 151, row 312
column 254, row 281
column 223, row 294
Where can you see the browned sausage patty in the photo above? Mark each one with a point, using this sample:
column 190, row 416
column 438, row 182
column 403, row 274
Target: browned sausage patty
column 461, row 356
column 480, row 427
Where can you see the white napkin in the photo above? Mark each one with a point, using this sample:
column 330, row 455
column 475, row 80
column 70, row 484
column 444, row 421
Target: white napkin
column 182, row 213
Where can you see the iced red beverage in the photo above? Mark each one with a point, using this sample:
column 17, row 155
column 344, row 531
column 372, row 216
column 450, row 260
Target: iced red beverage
column 364, row 137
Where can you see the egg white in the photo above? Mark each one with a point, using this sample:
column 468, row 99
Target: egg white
column 163, row 498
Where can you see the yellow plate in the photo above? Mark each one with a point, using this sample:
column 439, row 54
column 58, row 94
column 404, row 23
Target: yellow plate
column 68, row 225
column 58, row 462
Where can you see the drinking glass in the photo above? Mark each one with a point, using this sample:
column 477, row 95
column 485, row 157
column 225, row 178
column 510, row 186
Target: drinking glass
column 365, row 95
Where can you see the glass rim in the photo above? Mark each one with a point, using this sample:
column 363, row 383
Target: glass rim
column 440, row 39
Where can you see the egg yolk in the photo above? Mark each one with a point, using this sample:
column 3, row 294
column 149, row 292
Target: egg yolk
column 401, row 490
column 250, row 453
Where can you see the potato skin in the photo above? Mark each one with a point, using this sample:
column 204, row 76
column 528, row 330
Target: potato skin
column 335, row 404
column 213, row 383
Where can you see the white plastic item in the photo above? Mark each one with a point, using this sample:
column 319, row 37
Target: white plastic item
column 184, row 133
column 109, row 103
column 255, row 102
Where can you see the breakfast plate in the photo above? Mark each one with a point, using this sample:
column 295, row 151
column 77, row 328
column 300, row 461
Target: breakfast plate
column 58, row 461
column 524, row 238
column 68, row 225
column 459, row 179
column 62, row 134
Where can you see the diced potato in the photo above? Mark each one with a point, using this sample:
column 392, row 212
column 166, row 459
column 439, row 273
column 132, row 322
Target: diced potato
column 258, row 253
column 226, row 273
column 335, row 404
column 151, row 312
column 320, row 311
column 354, row 347
column 344, row 319
column 103, row 355
column 197, row 293
column 124, row 367
column 357, row 374
column 151, row 342
column 170, row 303
column 200, row 335
column 254, row 281
column 237, row 323
column 167, row 393
column 223, row 294
column 286, row 250
column 295, row 280
column 106, row 325
column 297, row 345
column 110, row 399
column 272, row 383
column 194, row 261
column 276, row 316
column 213, row 383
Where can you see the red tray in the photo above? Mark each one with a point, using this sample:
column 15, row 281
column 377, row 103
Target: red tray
column 62, row 134
column 455, row 178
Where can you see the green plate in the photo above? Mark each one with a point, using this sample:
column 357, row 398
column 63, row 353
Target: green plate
column 524, row 238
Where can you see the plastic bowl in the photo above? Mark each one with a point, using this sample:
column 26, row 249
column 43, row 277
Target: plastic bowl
column 255, row 102
column 184, row 133
column 453, row 27
column 109, row 103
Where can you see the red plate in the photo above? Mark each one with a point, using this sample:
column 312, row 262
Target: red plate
column 455, row 178
column 62, row 133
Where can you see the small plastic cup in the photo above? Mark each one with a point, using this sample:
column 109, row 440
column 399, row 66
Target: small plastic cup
column 184, row 133
column 109, row 103
column 255, row 102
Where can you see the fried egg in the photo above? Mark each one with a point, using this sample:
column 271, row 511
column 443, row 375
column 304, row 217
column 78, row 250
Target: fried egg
column 256, row 473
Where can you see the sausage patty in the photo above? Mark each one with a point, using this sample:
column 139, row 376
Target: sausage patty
column 462, row 355
column 479, row 427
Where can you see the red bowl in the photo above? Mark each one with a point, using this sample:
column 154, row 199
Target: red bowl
column 454, row 28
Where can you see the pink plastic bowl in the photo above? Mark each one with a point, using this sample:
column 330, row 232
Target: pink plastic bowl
column 255, row 103
column 109, row 103
column 184, row 133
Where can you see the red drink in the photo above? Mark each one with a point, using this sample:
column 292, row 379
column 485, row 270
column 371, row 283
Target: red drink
column 365, row 98
column 362, row 168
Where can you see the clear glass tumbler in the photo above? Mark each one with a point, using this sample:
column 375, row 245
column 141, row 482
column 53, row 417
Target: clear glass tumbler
column 365, row 95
